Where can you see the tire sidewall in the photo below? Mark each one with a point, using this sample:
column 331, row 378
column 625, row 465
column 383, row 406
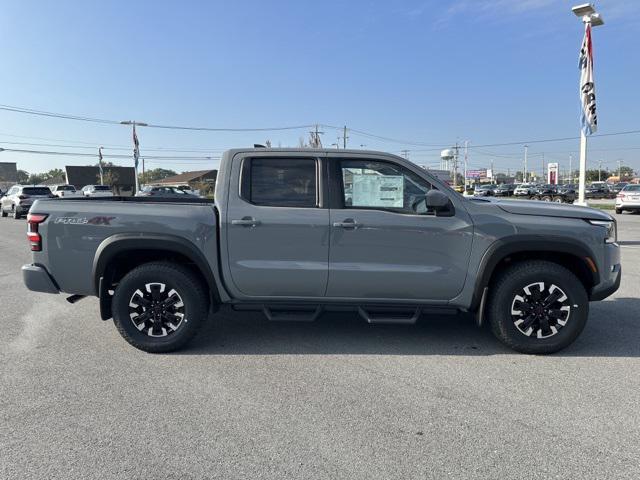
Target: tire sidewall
column 194, row 309
column 504, row 326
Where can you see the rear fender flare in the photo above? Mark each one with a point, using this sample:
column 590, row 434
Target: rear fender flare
column 119, row 243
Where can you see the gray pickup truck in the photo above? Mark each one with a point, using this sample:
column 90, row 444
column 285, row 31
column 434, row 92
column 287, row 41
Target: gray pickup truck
column 295, row 232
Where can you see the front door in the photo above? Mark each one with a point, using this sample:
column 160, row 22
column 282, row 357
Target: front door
column 385, row 244
column 278, row 228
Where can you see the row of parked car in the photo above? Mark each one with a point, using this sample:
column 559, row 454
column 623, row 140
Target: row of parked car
column 18, row 199
column 566, row 193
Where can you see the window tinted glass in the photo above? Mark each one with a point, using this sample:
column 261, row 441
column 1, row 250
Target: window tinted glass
column 383, row 185
column 632, row 188
column 102, row 188
column 67, row 188
column 282, row 182
column 36, row 191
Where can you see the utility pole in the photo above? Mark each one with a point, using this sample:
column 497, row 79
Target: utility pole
column 524, row 173
column 466, row 162
column 455, row 166
column 570, row 168
column 619, row 170
column 100, row 165
column 315, row 138
column 599, row 170
column 344, row 137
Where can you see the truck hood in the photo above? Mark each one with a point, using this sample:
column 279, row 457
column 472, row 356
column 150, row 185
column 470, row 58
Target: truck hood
column 548, row 209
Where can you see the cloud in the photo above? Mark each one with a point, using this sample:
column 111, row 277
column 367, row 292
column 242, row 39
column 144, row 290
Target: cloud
column 493, row 8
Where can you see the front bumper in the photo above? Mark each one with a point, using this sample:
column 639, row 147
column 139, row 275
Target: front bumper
column 37, row 279
column 611, row 276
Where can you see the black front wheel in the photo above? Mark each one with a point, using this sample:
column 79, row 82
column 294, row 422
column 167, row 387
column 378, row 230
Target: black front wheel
column 159, row 306
column 537, row 307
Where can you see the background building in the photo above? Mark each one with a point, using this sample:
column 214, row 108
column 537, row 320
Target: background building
column 8, row 175
column 122, row 180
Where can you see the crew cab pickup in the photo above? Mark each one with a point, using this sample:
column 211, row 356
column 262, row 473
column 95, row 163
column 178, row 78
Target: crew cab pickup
column 295, row 232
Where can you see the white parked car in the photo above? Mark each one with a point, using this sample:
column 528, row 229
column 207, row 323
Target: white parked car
column 524, row 189
column 64, row 191
column 628, row 199
column 97, row 191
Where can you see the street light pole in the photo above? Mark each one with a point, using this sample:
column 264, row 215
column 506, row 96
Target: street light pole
column 136, row 147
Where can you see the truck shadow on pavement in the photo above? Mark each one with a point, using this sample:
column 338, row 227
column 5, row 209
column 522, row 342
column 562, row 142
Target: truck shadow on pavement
column 613, row 330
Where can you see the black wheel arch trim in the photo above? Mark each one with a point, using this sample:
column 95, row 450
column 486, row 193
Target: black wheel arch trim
column 121, row 242
column 502, row 248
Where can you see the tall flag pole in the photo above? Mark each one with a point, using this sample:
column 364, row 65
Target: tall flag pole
column 588, row 117
column 136, row 154
column 100, row 165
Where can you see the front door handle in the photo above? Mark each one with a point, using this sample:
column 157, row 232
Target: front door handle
column 246, row 222
column 348, row 223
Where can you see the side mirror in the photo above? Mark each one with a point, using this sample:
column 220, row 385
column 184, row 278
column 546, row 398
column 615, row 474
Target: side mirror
column 437, row 200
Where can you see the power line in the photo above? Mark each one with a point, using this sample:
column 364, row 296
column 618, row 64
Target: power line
column 30, row 111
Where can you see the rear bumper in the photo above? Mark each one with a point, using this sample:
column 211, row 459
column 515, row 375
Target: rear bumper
column 37, row 279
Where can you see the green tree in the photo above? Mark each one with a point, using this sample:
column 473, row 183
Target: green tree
column 596, row 175
column 36, row 178
column 23, row 176
column 55, row 173
column 626, row 173
column 155, row 174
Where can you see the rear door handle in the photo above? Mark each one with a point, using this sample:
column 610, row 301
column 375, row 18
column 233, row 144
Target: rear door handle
column 246, row 222
column 348, row 223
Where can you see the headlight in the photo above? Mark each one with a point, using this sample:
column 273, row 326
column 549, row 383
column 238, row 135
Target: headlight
column 612, row 230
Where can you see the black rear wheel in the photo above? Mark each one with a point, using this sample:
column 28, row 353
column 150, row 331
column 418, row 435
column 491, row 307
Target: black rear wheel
column 537, row 307
column 159, row 306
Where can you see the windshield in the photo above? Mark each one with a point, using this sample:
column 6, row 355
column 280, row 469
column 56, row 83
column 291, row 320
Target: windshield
column 631, row 188
column 36, row 191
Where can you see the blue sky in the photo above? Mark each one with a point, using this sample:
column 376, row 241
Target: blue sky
column 433, row 72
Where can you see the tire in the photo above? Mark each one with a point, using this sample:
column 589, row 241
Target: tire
column 546, row 198
column 618, row 211
column 155, row 281
column 3, row 213
column 517, row 330
column 557, row 199
column 16, row 213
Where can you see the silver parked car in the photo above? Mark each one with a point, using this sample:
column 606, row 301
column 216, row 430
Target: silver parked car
column 628, row 199
column 17, row 201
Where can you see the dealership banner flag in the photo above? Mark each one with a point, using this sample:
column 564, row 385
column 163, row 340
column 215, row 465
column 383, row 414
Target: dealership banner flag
column 588, row 117
column 136, row 146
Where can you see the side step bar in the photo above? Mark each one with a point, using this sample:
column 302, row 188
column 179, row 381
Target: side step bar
column 390, row 316
column 284, row 314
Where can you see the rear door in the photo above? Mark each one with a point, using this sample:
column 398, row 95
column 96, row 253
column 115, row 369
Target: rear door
column 385, row 244
column 277, row 227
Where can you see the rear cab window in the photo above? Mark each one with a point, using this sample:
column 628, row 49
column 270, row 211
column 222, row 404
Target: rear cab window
column 280, row 182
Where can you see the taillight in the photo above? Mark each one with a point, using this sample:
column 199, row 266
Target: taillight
column 35, row 239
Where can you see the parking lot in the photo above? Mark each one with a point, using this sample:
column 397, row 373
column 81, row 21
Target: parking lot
column 337, row 398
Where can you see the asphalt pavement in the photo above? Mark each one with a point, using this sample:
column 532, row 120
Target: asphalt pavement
column 337, row 398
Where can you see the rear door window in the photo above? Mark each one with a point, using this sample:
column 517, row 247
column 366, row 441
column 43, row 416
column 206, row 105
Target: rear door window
column 281, row 182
